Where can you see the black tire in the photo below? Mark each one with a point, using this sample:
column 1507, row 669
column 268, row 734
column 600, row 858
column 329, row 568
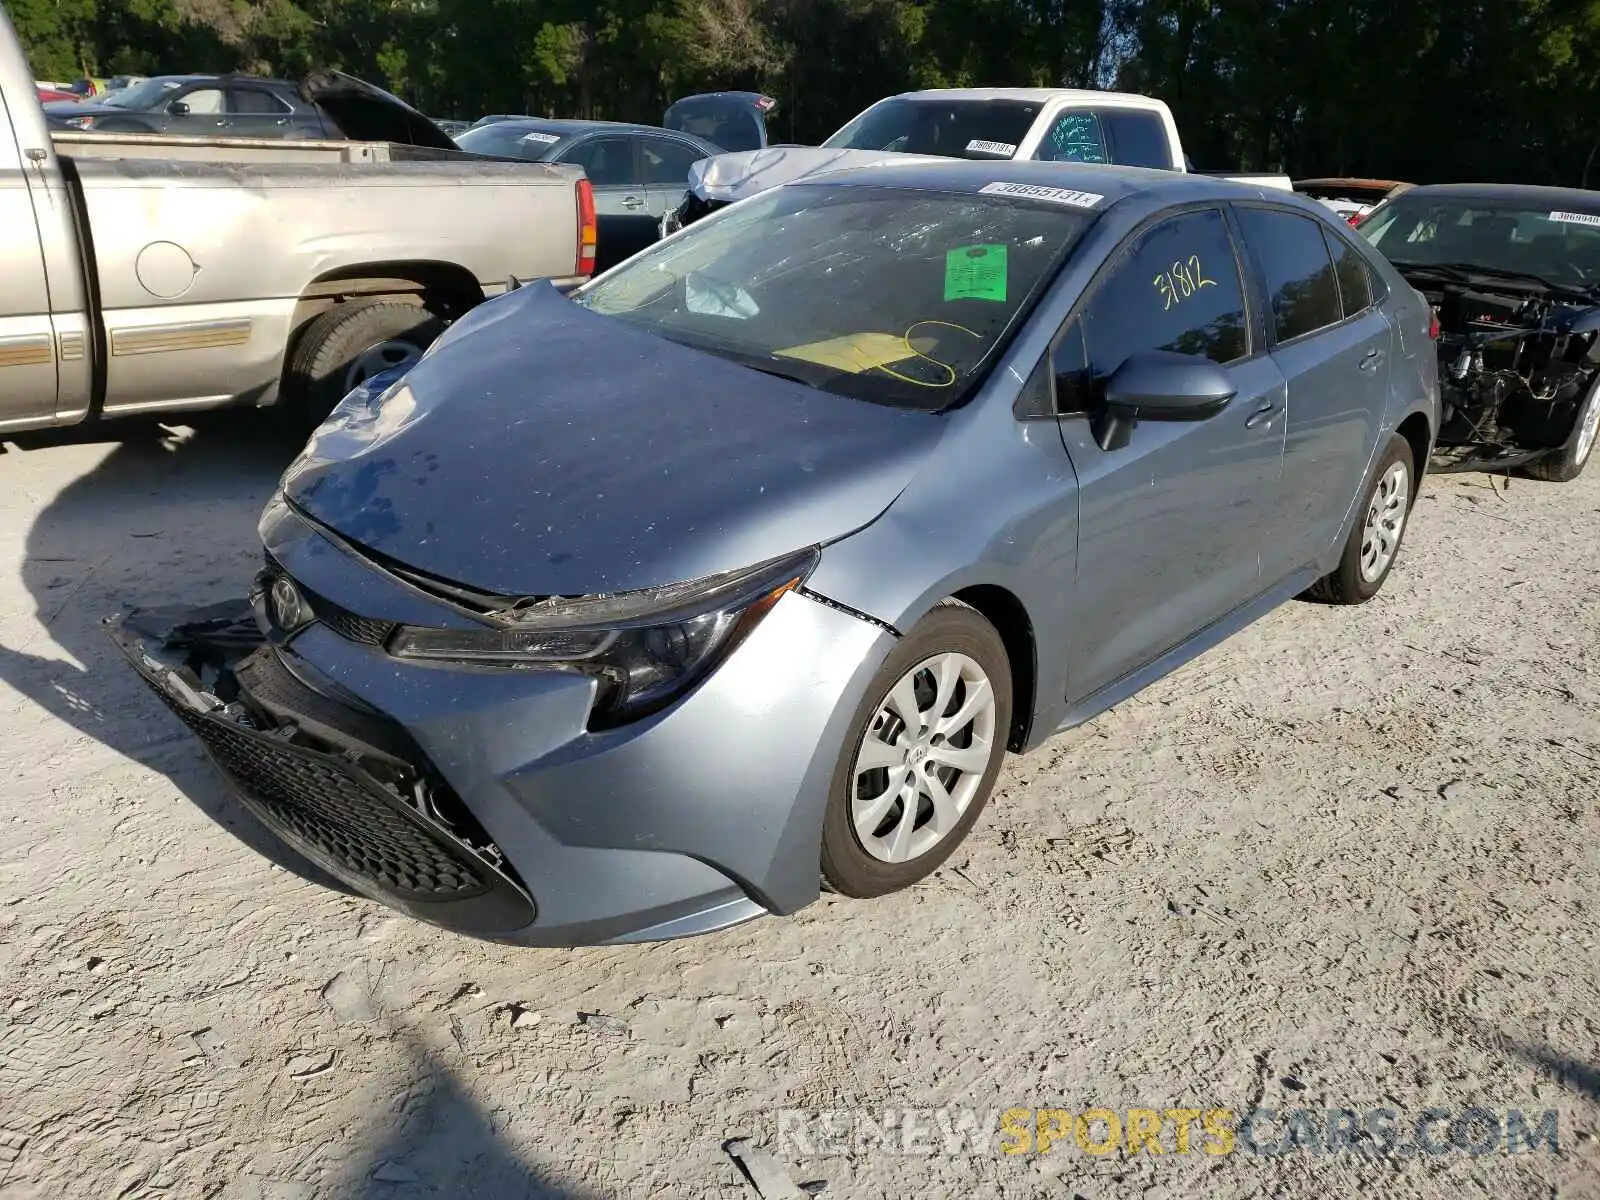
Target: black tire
column 1347, row 584
column 847, row 866
column 321, row 366
column 1567, row 463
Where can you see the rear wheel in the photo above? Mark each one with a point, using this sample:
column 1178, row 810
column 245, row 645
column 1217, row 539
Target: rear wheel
column 1567, row 463
column 921, row 755
column 1374, row 543
column 349, row 344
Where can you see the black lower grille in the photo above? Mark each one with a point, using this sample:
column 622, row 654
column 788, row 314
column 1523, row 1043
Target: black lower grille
column 336, row 783
column 321, row 803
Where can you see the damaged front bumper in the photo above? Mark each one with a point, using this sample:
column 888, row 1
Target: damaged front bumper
column 338, row 782
column 477, row 799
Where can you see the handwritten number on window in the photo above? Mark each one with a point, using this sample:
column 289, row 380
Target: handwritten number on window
column 1181, row 281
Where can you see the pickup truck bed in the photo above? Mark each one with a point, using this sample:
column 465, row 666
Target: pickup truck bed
column 153, row 274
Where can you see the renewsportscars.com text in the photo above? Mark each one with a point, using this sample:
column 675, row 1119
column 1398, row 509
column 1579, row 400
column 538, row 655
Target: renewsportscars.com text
column 956, row 1131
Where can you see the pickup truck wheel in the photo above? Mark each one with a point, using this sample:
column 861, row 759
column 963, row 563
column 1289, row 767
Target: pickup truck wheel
column 1567, row 463
column 349, row 343
column 1374, row 543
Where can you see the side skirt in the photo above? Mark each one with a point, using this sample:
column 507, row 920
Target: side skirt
column 1218, row 631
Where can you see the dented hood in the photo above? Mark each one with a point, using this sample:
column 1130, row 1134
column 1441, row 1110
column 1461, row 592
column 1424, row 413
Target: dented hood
column 725, row 178
column 544, row 449
column 365, row 113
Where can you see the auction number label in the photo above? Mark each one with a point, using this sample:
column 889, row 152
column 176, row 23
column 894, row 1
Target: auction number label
column 1181, row 281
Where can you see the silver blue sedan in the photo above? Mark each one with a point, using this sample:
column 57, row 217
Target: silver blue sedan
column 641, row 612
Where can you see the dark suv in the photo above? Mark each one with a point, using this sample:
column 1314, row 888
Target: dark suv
column 200, row 106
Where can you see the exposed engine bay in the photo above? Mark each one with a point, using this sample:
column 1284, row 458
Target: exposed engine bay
column 1513, row 371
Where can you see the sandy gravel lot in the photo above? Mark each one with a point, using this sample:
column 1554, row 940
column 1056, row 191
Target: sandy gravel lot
column 1346, row 860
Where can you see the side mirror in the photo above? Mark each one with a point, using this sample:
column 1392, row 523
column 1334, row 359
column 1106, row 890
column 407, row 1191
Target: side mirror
column 178, row 109
column 1160, row 386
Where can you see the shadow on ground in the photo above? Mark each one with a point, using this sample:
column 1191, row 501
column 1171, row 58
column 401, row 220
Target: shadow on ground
column 166, row 516
column 443, row 1142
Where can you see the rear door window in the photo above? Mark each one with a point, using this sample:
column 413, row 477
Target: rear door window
column 258, row 102
column 667, row 161
column 1292, row 255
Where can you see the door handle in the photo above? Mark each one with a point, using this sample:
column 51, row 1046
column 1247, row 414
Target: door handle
column 632, row 202
column 1262, row 416
column 1370, row 360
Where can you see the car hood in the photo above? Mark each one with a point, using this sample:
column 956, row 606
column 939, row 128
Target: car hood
column 365, row 113
column 729, row 177
column 544, row 449
column 87, row 108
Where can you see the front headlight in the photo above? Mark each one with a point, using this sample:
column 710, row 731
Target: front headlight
column 646, row 647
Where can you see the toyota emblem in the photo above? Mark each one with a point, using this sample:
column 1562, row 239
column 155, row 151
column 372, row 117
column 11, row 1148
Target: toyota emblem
column 289, row 610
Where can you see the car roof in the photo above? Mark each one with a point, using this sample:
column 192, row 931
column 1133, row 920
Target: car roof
column 1341, row 181
column 226, row 77
column 571, row 127
column 1027, row 95
column 1113, row 183
column 1578, row 199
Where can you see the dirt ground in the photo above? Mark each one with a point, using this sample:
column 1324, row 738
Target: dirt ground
column 1347, row 860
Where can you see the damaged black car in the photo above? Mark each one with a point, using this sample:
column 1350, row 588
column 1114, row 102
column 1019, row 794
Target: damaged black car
column 1513, row 274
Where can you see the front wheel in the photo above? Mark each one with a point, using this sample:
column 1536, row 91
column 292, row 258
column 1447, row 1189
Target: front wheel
column 921, row 755
column 349, row 344
column 1567, row 463
column 1380, row 525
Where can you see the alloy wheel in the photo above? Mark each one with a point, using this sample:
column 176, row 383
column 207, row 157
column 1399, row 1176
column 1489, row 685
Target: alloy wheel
column 923, row 757
column 1386, row 521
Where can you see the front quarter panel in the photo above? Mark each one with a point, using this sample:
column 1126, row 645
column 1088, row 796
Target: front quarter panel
column 994, row 505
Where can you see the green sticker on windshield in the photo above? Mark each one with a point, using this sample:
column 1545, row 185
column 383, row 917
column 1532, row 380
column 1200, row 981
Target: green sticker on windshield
column 975, row 273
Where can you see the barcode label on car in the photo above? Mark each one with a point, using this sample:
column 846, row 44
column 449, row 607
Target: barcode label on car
column 977, row 146
column 1033, row 191
column 1576, row 218
column 544, row 139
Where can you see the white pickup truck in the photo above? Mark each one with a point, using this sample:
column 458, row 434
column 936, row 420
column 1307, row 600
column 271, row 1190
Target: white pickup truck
column 163, row 274
column 1048, row 124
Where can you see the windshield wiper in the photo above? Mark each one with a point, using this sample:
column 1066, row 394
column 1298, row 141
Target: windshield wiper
column 756, row 364
column 1464, row 272
column 766, row 364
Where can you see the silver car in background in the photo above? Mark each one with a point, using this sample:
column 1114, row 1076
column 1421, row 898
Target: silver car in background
column 641, row 612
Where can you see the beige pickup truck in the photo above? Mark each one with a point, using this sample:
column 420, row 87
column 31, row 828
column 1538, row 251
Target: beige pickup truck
column 150, row 275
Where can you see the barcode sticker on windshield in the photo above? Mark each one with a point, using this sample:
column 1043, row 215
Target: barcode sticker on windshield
column 544, row 139
column 978, row 146
column 1576, row 218
column 1033, row 191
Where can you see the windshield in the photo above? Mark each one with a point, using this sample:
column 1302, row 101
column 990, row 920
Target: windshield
column 1559, row 247
column 895, row 296
column 954, row 128
column 726, row 123
column 510, row 139
column 142, row 97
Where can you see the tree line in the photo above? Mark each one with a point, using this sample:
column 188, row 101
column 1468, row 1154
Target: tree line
column 1424, row 90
